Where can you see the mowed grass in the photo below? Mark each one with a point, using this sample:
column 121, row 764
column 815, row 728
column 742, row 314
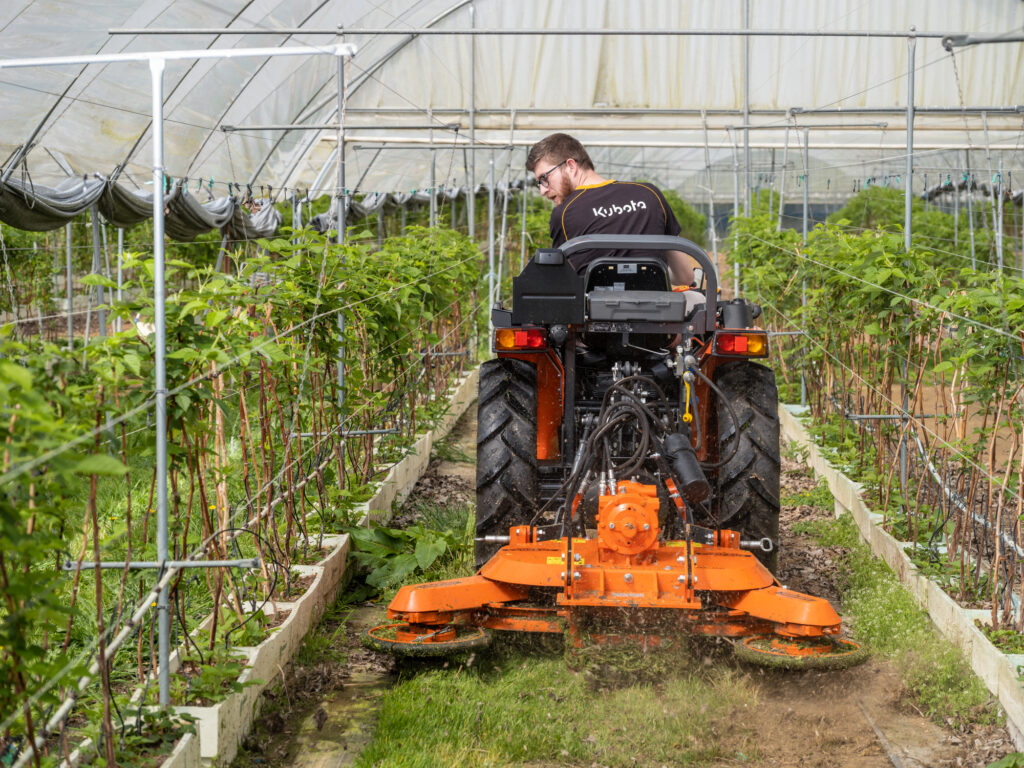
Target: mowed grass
column 530, row 707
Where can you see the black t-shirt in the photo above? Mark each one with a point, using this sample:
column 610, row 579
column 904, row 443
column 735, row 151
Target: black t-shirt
column 612, row 208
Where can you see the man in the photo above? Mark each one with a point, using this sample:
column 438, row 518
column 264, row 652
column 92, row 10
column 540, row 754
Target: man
column 587, row 204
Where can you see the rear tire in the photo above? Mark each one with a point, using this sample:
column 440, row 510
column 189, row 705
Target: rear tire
column 507, row 487
column 749, row 482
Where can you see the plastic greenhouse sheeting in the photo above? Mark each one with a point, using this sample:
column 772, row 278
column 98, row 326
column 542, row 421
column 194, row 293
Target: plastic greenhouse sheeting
column 28, row 206
column 521, row 87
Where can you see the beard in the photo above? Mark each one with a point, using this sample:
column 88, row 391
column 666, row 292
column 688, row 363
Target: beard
column 563, row 188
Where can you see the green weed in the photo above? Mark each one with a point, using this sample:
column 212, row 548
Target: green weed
column 819, row 496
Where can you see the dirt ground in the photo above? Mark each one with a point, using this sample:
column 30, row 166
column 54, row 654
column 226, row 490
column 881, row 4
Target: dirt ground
column 856, row 718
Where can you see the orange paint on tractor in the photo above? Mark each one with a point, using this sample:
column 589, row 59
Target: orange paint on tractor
column 719, row 588
column 550, row 399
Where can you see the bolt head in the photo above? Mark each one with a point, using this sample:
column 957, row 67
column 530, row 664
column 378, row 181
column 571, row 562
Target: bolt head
column 681, row 559
column 628, row 578
column 611, row 526
column 681, row 579
column 576, row 556
column 576, row 575
column 647, row 526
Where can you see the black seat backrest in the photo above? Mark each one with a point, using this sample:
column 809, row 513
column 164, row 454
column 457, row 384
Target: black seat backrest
column 627, row 274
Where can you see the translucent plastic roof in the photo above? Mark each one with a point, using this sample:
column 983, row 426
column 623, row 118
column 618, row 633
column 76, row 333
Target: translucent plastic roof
column 635, row 100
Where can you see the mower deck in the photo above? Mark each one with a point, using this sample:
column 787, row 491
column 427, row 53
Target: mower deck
column 669, row 590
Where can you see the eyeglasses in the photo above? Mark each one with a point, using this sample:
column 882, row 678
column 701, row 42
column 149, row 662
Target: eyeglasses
column 542, row 180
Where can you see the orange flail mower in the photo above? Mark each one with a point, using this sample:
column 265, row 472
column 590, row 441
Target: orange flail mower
column 627, row 473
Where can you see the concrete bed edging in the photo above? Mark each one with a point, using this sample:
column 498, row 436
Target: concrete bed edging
column 220, row 728
column 997, row 670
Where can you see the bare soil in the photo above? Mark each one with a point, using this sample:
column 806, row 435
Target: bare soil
column 859, row 717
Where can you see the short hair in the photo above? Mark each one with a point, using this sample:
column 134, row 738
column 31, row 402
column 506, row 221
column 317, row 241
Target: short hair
column 558, row 147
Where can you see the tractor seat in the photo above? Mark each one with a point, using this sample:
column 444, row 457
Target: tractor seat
column 636, row 289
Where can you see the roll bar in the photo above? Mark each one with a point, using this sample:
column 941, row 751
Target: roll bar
column 653, row 243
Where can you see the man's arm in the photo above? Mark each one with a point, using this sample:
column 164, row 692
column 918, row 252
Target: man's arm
column 679, row 267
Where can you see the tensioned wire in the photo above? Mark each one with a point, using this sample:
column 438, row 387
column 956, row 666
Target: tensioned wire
column 896, row 406
column 911, row 299
column 30, row 465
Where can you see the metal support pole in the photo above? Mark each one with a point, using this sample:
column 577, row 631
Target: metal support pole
column 219, row 265
column 97, row 266
column 970, row 206
column 999, row 215
column 908, row 196
column 956, row 213
column 471, row 181
column 711, row 194
column 433, row 171
column 490, row 237
column 120, row 274
column 771, row 189
column 746, row 116
column 67, row 286
column 988, row 159
column 782, row 181
column 525, row 202
column 156, row 69
column 803, row 357
column 807, row 180
column 735, row 213
column 342, row 201
column 404, row 211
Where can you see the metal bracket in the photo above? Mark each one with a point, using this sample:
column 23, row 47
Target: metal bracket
column 253, row 562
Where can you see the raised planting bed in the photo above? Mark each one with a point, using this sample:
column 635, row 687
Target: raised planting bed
column 222, row 726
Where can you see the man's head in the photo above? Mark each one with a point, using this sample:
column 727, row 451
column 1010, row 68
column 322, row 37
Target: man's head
column 558, row 162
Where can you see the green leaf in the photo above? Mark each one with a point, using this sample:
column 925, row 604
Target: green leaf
column 945, row 365
column 134, row 362
column 97, row 279
column 428, row 549
column 394, row 570
column 215, row 317
column 16, row 374
column 100, row 464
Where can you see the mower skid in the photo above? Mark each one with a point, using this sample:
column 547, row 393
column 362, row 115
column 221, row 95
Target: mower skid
column 793, row 613
column 432, row 601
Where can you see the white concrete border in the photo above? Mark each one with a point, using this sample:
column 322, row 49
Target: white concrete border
column 998, row 671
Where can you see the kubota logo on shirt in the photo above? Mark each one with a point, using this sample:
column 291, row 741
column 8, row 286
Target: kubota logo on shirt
column 614, row 210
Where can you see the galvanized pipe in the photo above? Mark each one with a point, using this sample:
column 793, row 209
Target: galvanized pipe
column 782, row 181
column 504, row 32
column 147, row 564
column 67, row 285
column 908, row 195
column 156, row 69
column 471, row 181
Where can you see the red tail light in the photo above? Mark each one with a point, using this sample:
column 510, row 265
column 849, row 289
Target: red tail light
column 509, row 338
column 741, row 344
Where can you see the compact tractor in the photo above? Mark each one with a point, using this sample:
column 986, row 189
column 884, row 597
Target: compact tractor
column 627, row 471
